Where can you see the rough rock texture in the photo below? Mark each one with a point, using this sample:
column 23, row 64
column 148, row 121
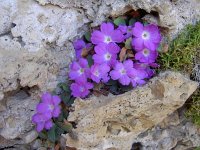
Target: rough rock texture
column 114, row 121
column 173, row 15
column 175, row 132
column 36, row 48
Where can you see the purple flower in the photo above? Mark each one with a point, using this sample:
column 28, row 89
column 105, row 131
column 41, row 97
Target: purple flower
column 41, row 122
column 146, row 36
column 146, row 56
column 49, row 104
column 137, row 78
column 106, row 53
column 81, row 89
column 126, row 30
column 100, row 72
column 144, row 67
column 48, row 108
column 107, row 35
column 79, row 45
column 79, row 71
column 123, row 72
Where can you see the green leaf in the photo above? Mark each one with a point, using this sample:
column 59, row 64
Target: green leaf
column 145, row 23
column 90, row 60
column 64, row 87
column 58, row 131
column 43, row 135
column 132, row 21
column 65, row 97
column 114, row 89
column 111, row 82
column 126, row 88
column 70, row 101
column 61, row 117
column 66, row 127
column 52, row 134
column 119, row 21
column 128, row 43
column 88, row 36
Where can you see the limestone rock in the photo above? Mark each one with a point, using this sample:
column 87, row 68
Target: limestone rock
column 114, row 121
column 17, row 117
column 176, row 135
column 173, row 15
column 8, row 10
column 30, row 136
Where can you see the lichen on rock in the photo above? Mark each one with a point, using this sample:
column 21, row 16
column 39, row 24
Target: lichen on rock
column 114, row 121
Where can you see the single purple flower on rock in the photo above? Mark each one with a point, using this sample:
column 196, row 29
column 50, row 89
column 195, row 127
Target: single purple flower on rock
column 100, row 72
column 49, row 104
column 106, row 54
column 146, row 56
column 146, row 36
column 42, row 122
column 79, row 45
column 107, row 35
column 126, row 30
column 81, row 89
column 123, row 72
column 137, row 77
column 79, row 71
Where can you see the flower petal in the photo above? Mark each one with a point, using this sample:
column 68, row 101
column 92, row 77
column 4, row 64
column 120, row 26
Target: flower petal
column 79, row 44
column 117, row 36
column 56, row 100
column 40, row 126
column 124, row 80
column 115, row 75
column 113, row 48
column 137, row 43
column 97, row 37
column 83, row 62
column 42, row 107
column 107, row 28
column 48, row 124
column 46, row 97
column 150, row 45
column 100, row 49
column 56, row 111
column 138, row 29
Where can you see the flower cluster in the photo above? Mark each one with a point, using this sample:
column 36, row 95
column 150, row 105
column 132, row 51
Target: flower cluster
column 47, row 109
column 105, row 48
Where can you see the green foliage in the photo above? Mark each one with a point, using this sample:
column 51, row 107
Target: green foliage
column 88, row 36
column 197, row 148
column 90, row 60
column 119, row 21
column 181, row 51
column 194, row 110
column 128, row 43
column 132, row 21
column 179, row 55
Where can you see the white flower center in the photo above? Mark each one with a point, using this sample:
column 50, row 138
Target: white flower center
column 107, row 56
column 81, row 71
column 51, row 107
column 107, row 39
column 146, row 52
column 123, row 71
column 145, row 35
column 96, row 73
column 81, row 89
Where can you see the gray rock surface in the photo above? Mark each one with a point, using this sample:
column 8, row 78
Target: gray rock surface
column 175, row 132
column 115, row 121
column 17, row 117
